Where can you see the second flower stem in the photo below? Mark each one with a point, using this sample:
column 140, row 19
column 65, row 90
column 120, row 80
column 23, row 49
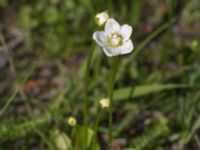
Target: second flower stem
column 86, row 88
column 86, row 84
column 111, row 89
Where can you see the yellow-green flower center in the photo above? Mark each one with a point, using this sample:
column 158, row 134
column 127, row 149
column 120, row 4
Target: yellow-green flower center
column 114, row 40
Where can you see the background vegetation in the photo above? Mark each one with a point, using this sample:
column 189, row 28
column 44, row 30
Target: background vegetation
column 156, row 101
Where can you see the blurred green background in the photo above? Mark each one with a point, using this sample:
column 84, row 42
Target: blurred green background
column 156, row 98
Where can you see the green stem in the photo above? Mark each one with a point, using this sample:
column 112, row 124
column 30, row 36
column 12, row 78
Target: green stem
column 9, row 101
column 99, row 116
column 111, row 89
column 171, row 4
column 86, row 85
column 96, row 124
column 86, row 81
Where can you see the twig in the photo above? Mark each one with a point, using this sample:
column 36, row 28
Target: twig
column 14, row 75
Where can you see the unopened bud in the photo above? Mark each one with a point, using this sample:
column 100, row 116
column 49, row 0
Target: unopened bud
column 101, row 18
column 71, row 121
column 104, row 102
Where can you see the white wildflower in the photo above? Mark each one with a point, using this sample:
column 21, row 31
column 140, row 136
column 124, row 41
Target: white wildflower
column 115, row 40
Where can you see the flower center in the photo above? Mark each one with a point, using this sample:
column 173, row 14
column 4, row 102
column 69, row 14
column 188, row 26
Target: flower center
column 114, row 40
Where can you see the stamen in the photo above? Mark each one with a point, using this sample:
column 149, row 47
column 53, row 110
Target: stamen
column 114, row 40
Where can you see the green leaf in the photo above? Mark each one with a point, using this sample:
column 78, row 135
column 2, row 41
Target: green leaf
column 80, row 136
column 62, row 141
column 190, row 133
column 142, row 90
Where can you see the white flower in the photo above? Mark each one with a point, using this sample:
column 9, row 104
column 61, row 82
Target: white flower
column 104, row 102
column 101, row 18
column 115, row 40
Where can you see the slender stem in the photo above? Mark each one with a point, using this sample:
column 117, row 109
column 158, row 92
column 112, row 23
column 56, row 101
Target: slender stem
column 14, row 75
column 99, row 116
column 8, row 102
column 111, row 88
column 86, row 85
column 96, row 125
column 171, row 4
column 74, row 138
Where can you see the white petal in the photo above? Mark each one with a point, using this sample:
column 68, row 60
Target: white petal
column 111, row 26
column 126, row 32
column 126, row 48
column 111, row 51
column 100, row 38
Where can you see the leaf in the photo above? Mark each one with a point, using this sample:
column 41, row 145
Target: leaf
column 80, row 136
column 62, row 141
column 190, row 133
column 129, row 92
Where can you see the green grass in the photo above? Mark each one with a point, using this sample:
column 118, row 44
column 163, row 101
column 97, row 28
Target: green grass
column 156, row 93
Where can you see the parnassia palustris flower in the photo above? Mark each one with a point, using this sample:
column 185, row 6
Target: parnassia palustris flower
column 115, row 39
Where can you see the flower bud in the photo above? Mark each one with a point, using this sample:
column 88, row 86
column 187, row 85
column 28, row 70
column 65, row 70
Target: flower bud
column 71, row 121
column 194, row 44
column 104, row 102
column 101, row 18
